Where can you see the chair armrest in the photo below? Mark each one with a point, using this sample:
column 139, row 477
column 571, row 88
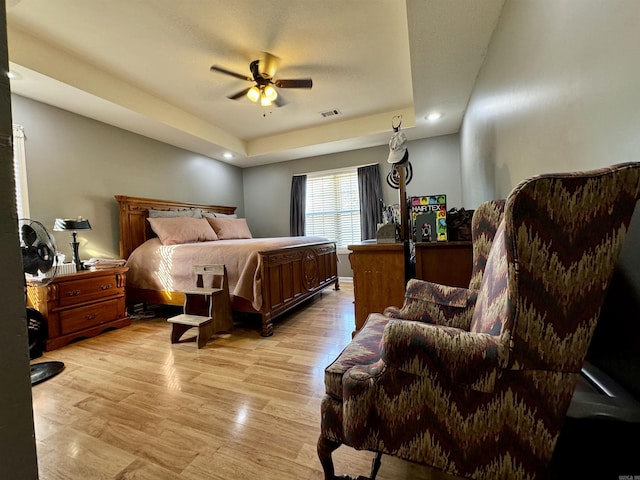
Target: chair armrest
column 392, row 312
column 437, row 304
column 468, row 359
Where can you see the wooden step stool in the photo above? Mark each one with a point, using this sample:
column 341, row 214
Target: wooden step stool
column 208, row 309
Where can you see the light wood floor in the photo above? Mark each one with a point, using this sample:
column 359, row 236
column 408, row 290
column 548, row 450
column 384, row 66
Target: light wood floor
column 129, row 405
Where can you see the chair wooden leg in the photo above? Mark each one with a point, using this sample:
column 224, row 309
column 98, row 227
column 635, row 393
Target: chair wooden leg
column 325, row 449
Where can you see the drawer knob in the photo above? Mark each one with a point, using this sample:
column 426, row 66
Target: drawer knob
column 73, row 293
column 106, row 286
column 91, row 316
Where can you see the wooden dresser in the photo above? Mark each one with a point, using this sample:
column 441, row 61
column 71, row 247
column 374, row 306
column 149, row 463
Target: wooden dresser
column 379, row 272
column 447, row 263
column 81, row 304
column 378, row 278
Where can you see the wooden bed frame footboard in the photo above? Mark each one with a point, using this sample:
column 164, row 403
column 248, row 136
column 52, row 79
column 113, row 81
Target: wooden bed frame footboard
column 294, row 274
column 290, row 275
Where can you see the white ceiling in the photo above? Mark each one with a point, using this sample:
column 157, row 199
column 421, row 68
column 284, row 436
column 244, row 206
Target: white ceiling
column 143, row 65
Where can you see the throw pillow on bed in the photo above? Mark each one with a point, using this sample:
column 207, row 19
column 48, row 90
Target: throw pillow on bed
column 176, row 230
column 192, row 212
column 230, row 228
column 219, row 215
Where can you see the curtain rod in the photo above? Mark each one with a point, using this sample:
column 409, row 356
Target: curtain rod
column 335, row 170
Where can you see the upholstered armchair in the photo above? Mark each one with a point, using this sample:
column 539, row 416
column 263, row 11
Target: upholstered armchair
column 476, row 382
column 454, row 304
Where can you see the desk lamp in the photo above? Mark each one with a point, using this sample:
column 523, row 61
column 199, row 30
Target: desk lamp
column 70, row 224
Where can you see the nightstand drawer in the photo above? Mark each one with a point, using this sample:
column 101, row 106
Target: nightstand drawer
column 90, row 315
column 84, row 290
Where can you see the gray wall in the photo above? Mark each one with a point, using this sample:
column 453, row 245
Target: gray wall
column 76, row 165
column 436, row 170
column 558, row 92
column 17, row 440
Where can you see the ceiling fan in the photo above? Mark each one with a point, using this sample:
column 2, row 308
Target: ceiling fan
column 262, row 74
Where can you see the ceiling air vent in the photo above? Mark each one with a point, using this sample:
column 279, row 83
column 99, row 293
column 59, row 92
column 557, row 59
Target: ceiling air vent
column 331, row 113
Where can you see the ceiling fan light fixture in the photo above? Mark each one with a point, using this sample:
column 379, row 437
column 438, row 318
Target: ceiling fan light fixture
column 254, row 94
column 264, row 88
column 270, row 93
column 264, row 101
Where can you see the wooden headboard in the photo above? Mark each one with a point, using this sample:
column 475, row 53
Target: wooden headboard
column 134, row 211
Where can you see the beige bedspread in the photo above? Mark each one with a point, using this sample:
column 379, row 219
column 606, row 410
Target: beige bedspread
column 170, row 267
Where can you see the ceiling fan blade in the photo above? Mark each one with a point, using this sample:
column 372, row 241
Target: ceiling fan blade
column 294, row 83
column 216, row 68
column 270, row 64
column 239, row 94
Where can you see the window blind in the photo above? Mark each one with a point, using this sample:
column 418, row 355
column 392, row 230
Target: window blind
column 333, row 207
column 20, row 172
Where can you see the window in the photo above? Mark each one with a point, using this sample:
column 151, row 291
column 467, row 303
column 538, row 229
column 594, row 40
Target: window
column 333, row 206
column 20, row 172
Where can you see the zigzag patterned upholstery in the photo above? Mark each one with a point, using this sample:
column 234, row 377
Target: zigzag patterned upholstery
column 484, row 224
column 488, row 401
column 453, row 306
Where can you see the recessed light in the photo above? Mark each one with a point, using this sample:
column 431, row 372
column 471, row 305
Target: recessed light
column 433, row 116
column 228, row 155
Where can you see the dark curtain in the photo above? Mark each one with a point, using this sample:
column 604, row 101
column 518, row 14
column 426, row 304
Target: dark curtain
column 298, row 205
column 370, row 197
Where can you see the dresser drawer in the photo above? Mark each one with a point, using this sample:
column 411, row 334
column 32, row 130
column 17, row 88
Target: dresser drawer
column 88, row 316
column 84, row 290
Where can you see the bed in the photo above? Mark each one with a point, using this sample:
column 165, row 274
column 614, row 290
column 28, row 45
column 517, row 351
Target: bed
column 285, row 271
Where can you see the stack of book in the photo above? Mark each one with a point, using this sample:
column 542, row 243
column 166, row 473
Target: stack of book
column 98, row 263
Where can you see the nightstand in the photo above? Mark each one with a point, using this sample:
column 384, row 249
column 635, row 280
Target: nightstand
column 81, row 304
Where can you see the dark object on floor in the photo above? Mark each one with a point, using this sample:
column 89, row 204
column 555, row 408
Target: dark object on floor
column 590, row 448
column 614, row 347
column 44, row 371
column 597, row 439
column 37, row 331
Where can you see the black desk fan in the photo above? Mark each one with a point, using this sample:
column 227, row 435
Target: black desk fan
column 40, row 266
